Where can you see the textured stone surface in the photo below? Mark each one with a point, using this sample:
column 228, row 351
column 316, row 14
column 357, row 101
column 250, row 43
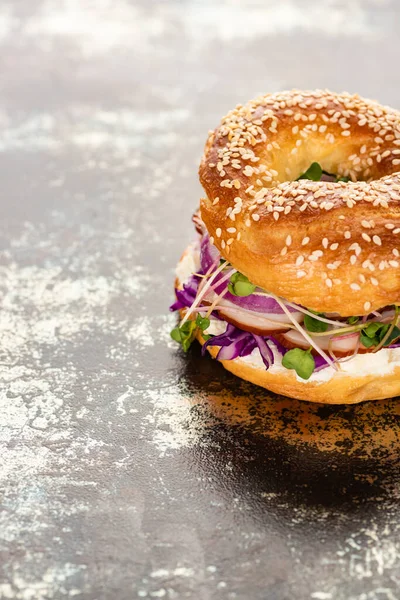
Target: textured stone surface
column 127, row 469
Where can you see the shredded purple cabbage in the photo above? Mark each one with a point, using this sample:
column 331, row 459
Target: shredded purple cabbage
column 320, row 363
column 235, row 343
column 186, row 296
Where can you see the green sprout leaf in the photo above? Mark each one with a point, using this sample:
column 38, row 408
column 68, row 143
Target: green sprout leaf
column 314, row 172
column 393, row 335
column 375, row 333
column 202, row 323
column 372, row 329
column 372, row 334
column 301, row 361
column 368, row 342
column 353, row 320
column 239, row 285
column 315, row 325
column 184, row 335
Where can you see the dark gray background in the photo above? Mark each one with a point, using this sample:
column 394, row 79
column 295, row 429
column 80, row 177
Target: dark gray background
column 127, row 469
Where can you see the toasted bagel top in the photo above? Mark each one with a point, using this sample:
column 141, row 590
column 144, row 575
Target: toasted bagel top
column 333, row 247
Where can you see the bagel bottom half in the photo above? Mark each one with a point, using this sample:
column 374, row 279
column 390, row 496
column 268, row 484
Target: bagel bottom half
column 337, row 387
column 342, row 388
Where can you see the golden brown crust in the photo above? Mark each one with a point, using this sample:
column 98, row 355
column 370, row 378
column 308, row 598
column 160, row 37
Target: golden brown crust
column 333, row 247
column 340, row 389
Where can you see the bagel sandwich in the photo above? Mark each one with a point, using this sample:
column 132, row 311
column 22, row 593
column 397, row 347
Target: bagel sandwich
column 293, row 282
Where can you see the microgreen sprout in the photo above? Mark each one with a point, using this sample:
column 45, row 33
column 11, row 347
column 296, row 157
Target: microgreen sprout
column 301, row 361
column 185, row 334
column 313, row 324
column 239, row 285
column 315, row 173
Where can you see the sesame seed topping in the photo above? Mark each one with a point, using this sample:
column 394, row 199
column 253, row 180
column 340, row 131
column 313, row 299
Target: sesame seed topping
column 367, row 305
column 237, row 155
column 377, row 240
column 355, row 287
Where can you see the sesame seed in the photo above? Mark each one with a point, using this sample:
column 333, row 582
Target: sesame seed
column 299, row 260
column 365, row 237
column 367, row 305
column 231, row 230
column 219, row 232
column 328, row 282
column 334, row 246
column 305, row 241
column 325, row 242
column 347, row 235
column 212, row 240
column 353, row 259
column 284, row 251
column 377, row 240
column 300, row 274
column 374, row 281
column 393, row 263
column 223, row 244
column 355, row 287
column 255, row 217
column 288, row 240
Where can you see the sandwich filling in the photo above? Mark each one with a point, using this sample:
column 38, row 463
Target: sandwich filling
column 248, row 323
